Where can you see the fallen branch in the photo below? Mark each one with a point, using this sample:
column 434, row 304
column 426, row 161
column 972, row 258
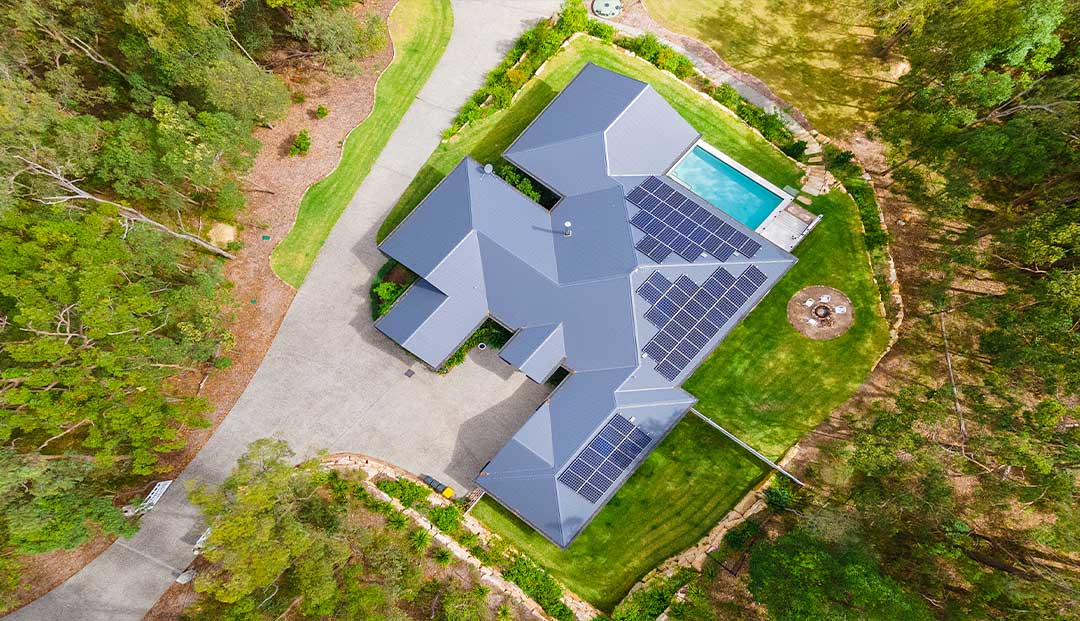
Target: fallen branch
column 128, row 213
column 82, row 423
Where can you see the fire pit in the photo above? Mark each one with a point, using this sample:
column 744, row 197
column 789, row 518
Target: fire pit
column 820, row 312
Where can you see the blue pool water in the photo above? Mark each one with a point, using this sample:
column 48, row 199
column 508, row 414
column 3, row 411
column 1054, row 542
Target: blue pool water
column 726, row 188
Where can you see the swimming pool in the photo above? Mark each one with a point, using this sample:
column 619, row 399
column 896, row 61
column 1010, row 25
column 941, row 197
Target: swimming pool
column 726, row 188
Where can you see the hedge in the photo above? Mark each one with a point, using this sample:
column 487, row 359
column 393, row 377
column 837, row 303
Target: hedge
column 532, row 49
column 539, row 585
column 842, row 165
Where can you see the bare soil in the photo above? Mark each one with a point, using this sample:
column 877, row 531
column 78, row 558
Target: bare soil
column 273, row 190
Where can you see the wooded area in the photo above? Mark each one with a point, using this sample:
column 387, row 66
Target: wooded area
column 960, row 489
column 126, row 132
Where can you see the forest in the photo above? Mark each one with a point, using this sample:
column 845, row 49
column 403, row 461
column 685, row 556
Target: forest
column 126, row 133
column 955, row 496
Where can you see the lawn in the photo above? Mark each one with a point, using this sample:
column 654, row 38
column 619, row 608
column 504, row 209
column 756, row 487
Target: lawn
column 696, row 475
column 487, row 139
column 680, row 491
column 815, row 55
column 420, row 30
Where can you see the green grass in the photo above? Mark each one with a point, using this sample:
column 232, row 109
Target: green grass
column 815, row 55
column 488, row 138
column 769, row 385
column 765, row 382
column 420, row 30
column 680, row 491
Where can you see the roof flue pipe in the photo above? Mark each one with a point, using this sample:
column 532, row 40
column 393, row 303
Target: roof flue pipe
column 566, row 229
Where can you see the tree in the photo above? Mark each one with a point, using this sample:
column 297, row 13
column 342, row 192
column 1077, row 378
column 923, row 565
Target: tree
column 336, row 38
column 799, row 576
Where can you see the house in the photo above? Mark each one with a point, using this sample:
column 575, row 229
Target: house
column 628, row 282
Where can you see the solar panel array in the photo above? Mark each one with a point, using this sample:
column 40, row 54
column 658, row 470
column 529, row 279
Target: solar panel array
column 689, row 315
column 674, row 223
column 605, row 458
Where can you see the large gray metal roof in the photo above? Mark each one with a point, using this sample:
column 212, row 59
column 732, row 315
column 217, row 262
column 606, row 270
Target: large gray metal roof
column 482, row 249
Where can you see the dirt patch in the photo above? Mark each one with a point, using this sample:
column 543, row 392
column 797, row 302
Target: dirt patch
column 399, row 274
column 273, row 190
column 820, row 313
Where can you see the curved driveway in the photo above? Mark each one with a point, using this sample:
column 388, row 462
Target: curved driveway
column 330, row 380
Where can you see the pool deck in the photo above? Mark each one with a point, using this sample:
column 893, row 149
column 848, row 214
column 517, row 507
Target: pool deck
column 786, row 226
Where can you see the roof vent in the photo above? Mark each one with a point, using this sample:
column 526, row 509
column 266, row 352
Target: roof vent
column 566, row 229
column 488, row 169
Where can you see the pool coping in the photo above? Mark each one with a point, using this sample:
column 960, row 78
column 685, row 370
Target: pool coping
column 785, row 198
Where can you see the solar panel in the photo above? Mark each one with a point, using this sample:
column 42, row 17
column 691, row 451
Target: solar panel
column 695, row 309
column 679, row 360
column 661, row 210
column 685, row 320
column 571, row 480
column 650, row 293
column 707, row 328
column 649, row 202
column 747, row 287
column 610, row 470
column 750, row 248
column 621, row 459
column 623, row 425
column 726, row 231
column 654, row 350
column 665, row 341
column 699, row 235
column 677, row 295
column 713, row 224
column 679, row 244
column 686, row 227
column 755, row 275
column 726, row 307
column 646, row 245
column 667, row 306
column 704, row 297
column 717, row 317
column 688, row 207
column 723, row 252
column 659, row 253
column 659, row 281
column 700, row 215
column 724, row 277
column 714, row 288
column 636, row 195
column 691, row 252
column 599, row 481
column 738, row 239
column 651, row 183
column 687, row 348
column 698, row 338
column 683, row 282
column 667, row 370
column 675, row 330
column 601, row 446
column 675, row 199
column 663, row 191
column 736, row 296
column 654, row 227
column 590, row 493
column 580, row 468
column 674, row 219
column 640, row 438
column 640, row 219
column 656, row 317
column 590, row 456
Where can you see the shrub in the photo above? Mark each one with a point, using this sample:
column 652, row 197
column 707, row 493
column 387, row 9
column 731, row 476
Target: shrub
column 301, row 143
column 780, row 495
column 739, row 538
column 600, row 30
column 298, row 97
column 397, row 521
column 794, row 150
column 387, row 293
column 442, row 556
column 539, row 585
column 447, row 519
column 223, row 362
column 419, row 540
column 407, row 492
column 490, row 332
column 651, row 601
column 321, row 112
column 727, row 96
column 519, row 180
column 573, row 17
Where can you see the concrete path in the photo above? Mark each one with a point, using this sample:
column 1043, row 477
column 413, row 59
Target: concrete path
column 330, row 380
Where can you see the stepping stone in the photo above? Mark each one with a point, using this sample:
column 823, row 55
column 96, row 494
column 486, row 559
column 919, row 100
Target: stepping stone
column 803, row 199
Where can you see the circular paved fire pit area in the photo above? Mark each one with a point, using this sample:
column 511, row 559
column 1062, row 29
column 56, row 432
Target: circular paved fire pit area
column 820, row 312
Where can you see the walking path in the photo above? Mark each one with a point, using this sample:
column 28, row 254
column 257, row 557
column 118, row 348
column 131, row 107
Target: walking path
column 330, row 380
